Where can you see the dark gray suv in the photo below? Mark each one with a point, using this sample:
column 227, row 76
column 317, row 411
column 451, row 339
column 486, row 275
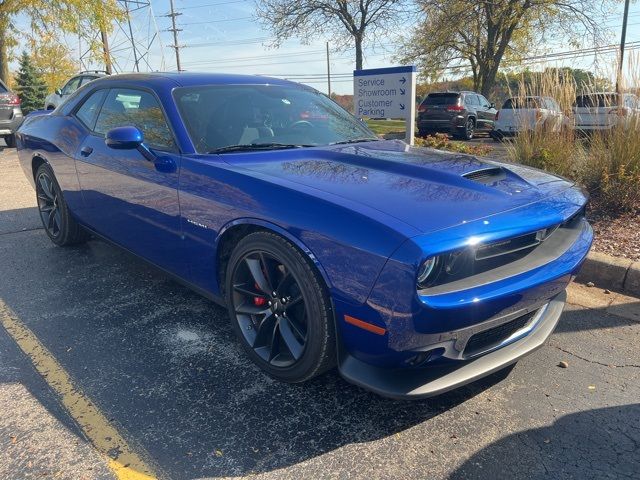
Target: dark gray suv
column 459, row 113
column 10, row 114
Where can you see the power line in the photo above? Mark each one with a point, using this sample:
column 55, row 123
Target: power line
column 217, row 21
column 214, row 4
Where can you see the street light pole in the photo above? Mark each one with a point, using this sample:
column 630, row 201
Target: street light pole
column 328, row 73
column 623, row 40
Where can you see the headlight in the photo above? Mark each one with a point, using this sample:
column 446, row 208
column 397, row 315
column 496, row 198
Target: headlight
column 426, row 271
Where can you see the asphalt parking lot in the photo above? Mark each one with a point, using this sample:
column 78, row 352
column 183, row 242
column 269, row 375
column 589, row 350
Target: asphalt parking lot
column 105, row 361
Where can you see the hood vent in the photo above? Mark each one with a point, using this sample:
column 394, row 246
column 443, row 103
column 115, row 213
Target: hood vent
column 486, row 176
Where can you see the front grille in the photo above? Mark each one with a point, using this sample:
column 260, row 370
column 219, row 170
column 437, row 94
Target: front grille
column 505, row 247
column 486, row 175
column 490, row 338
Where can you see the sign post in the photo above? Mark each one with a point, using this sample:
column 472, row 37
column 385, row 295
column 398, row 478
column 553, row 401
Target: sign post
column 387, row 93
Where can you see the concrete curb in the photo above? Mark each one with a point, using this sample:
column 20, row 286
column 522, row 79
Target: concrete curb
column 613, row 273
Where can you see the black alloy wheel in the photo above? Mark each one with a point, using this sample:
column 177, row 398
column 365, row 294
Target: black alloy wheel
column 279, row 308
column 469, row 128
column 57, row 221
column 270, row 308
column 48, row 204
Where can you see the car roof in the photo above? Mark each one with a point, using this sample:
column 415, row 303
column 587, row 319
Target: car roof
column 192, row 79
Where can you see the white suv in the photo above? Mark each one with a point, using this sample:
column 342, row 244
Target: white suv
column 60, row 95
column 520, row 114
column 603, row 111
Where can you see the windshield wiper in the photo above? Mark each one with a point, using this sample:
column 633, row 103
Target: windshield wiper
column 356, row 140
column 252, row 147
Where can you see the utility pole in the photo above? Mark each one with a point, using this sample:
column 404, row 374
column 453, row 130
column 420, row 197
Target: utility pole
column 175, row 31
column 328, row 73
column 105, row 50
column 133, row 42
column 623, row 40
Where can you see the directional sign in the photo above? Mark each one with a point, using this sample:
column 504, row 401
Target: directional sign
column 386, row 93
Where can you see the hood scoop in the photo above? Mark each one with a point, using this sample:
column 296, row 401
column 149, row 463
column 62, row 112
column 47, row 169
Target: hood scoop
column 486, row 176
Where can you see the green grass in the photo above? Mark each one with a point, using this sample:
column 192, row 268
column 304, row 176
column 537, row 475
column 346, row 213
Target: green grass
column 387, row 127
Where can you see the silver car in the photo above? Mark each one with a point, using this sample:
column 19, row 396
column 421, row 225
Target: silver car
column 60, row 95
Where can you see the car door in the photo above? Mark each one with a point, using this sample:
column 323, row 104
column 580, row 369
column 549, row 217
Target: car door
column 127, row 198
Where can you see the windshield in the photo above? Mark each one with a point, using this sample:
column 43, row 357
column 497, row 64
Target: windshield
column 225, row 118
column 597, row 100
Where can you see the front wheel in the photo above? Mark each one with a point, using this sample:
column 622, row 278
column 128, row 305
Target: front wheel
column 57, row 221
column 279, row 308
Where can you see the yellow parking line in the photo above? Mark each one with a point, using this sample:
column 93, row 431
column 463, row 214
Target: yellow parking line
column 127, row 465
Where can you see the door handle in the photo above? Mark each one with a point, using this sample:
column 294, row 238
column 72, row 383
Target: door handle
column 86, row 151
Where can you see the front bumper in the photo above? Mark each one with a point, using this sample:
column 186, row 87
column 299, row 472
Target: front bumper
column 404, row 383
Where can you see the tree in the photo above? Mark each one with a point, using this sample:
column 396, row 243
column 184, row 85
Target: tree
column 478, row 35
column 346, row 21
column 53, row 60
column 79, row 17
column 29, row 85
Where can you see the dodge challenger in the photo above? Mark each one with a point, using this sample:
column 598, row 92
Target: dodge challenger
column 412, row 270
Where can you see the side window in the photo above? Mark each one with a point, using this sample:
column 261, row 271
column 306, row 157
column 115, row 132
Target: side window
column 86, row 80
column 483, row 101
column 471, row 99
column 88, row 111
column 123, row 107
column 71, row 86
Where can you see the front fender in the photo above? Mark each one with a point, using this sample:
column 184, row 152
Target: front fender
column 257, row 222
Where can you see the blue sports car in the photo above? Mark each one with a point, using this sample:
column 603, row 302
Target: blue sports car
column 412, row 270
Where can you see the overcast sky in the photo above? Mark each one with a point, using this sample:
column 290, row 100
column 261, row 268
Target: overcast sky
column 223, row 36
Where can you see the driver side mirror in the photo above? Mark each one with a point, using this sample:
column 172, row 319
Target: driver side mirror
column 58, row 92
column 128, row 138
column 492, row 105
column 124, row 138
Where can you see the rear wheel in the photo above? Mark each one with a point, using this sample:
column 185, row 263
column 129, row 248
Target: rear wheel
column 10, row 140
column 466, row 132
column 60, row 226
column 279, row 308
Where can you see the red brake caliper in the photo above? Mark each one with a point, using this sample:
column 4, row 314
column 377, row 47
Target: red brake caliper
column 259, row 301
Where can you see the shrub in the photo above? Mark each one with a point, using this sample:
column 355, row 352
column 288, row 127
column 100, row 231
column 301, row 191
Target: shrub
column 612, row 172
column 608, row 164
column 442, row 142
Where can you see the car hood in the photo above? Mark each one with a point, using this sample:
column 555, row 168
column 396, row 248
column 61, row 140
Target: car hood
column 424, row 188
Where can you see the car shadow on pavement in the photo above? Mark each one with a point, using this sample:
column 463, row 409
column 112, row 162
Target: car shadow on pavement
column 594, row 444
column 575, row 321
column 162, row 364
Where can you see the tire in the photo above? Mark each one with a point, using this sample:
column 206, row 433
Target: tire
column 56, row 219
column 291, row 342
column 466, row 132
column 10, row 140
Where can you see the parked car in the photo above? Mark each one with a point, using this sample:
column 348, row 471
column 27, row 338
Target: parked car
column 520, row 114
column 413, row 270
column 603, row 111
column 461, row 114
column 10, row 114
column 61, row 94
